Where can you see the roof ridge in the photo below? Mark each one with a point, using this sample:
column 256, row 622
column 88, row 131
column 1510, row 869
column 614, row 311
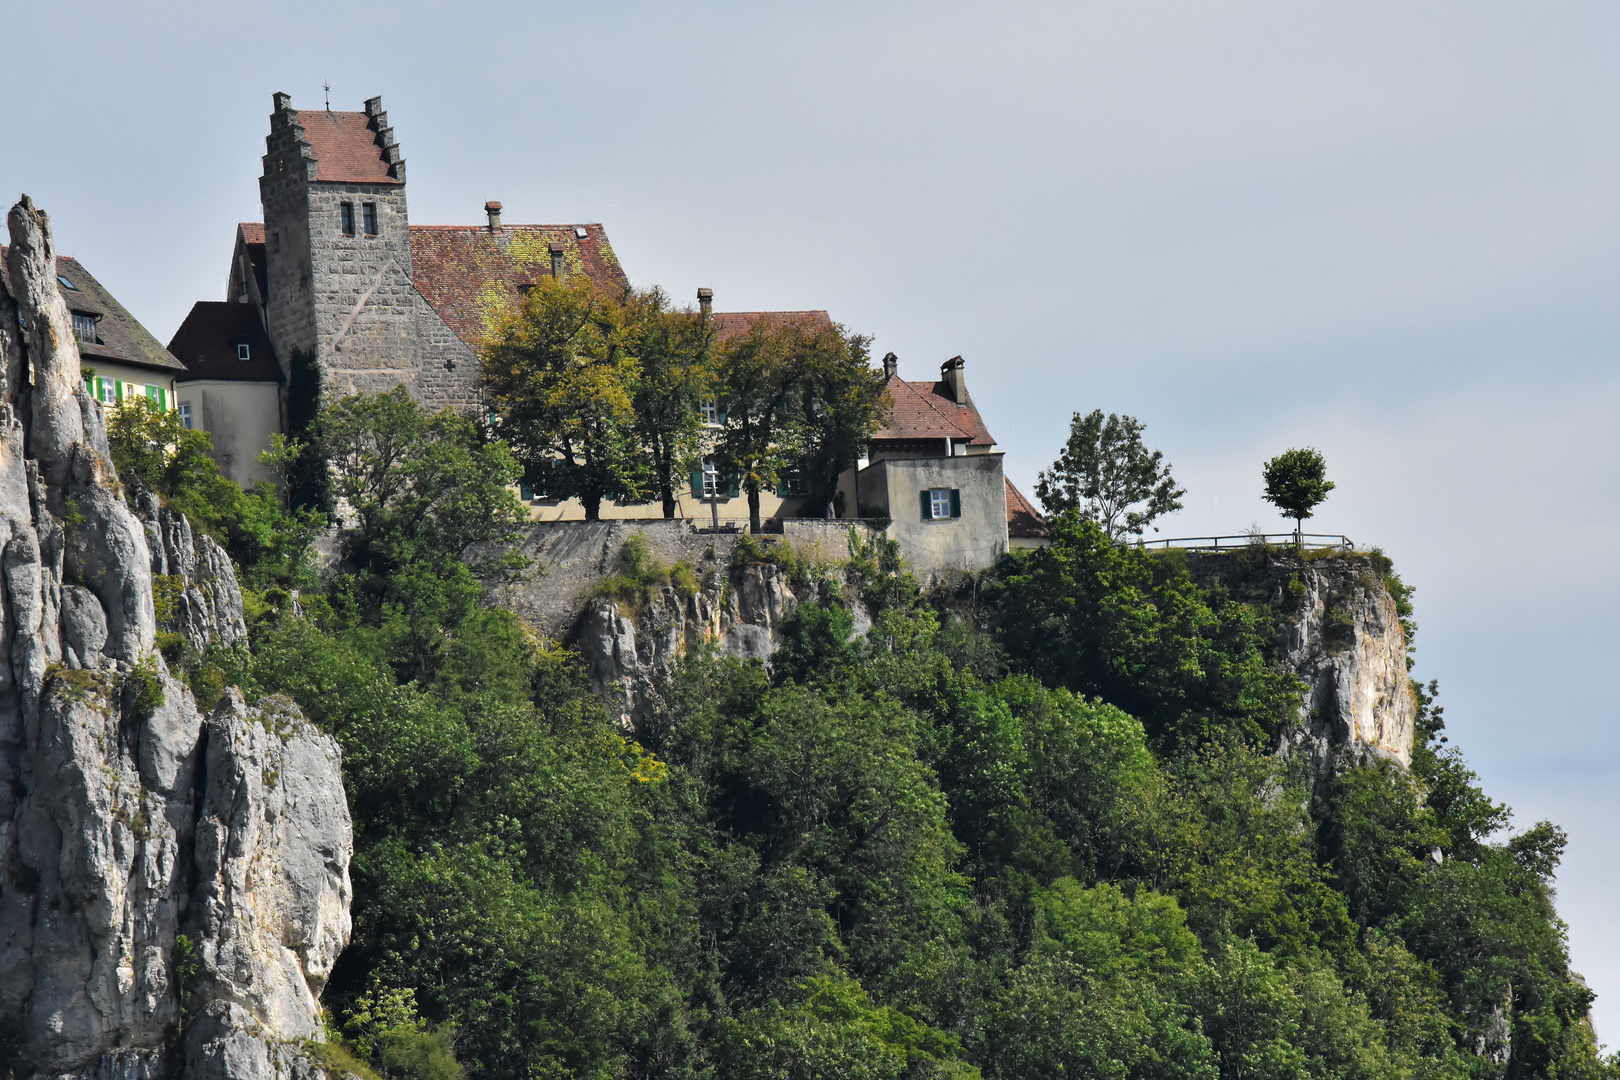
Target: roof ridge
column 928, row 398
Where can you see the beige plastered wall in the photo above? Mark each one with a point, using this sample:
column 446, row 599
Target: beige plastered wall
column 971, row 542
column 241, row 417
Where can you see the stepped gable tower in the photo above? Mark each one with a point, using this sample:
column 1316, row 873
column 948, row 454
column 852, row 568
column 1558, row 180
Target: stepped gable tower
column 340, row 307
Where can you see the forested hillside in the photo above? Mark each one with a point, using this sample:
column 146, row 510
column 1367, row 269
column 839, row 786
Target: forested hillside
column 1033, row 828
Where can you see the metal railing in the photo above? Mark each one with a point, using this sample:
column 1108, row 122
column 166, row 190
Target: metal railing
column 1241, row 540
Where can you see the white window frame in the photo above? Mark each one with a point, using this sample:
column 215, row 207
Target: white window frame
column 939, row 504
column 243, row 351
column 84, row 322
column 185, row 415
column 709, row 410
column 711, row 479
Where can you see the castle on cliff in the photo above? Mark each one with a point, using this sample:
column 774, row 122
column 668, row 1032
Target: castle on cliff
column 336, row 291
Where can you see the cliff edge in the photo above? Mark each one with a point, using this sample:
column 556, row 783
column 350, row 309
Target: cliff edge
column 174, row 882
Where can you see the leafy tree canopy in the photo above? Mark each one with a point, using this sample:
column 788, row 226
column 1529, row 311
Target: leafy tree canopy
column 1297, row 483
column 1107, row 475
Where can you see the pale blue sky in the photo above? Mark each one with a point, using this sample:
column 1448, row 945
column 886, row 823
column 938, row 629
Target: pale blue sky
column 1385, row 229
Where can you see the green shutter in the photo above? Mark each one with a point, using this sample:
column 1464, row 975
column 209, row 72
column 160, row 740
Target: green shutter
column 781, row 487
column 525, row 490
column 732, row 490
column 956, row 502
column 697, row 482
column 927, row 505
column 722, row 407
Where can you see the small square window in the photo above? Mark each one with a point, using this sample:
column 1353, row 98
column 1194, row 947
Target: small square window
column 185, row 415
column 84, row 327
column 346, row 218
column 710, row 410
column 369, row 215
column 275, row 240
column 939, row 502
column 243, row 352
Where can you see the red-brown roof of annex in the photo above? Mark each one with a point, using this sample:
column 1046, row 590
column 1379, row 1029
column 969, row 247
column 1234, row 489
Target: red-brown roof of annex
column 1023, row 520
column 345, row 147
column 926, row 410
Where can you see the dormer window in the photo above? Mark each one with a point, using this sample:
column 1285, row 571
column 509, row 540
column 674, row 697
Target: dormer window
column 346, row 218
column 66, row 284
column 84, row 327
column 368, row 214
column 243, row 352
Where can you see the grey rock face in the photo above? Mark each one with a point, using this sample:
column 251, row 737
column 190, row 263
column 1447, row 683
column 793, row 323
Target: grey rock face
column 1342, row 636
column 626, row 651
column 196, row 575
column 127, row 820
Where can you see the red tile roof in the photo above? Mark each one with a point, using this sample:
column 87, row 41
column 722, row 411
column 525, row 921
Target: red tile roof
column 925, row 410
column 730, row 324
column 469, row 275
column 345, row 147
column 1022, row 518
column 252, row 232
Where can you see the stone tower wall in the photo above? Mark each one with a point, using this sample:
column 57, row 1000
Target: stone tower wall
column 349, row 299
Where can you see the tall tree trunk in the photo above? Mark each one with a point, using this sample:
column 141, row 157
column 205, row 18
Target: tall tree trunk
column 593, row 507
column 753, row 507
column 669, row 501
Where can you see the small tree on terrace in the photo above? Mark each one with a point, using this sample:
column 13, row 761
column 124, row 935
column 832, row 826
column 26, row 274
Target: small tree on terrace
column 672, row 347
column 1107, row 475
column 757, row 374
column 1296, row 484
column 559, row 374
column 842, row 402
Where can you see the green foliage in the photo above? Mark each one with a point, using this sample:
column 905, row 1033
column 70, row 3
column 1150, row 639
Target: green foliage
column 1044, row 834
column 184, row 965
column 672, row 347
column 799, row 396
column 560, row 374
column 386, row 1031
column 1105, row 473
column 641, row 576
column 1296, row 482
column 152, row 451
column 1121, row 624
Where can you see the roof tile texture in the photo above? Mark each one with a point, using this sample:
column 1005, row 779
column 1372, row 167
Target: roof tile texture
column 925, row 410
column 469, row 274
column 1022, row 517
column 345, row 147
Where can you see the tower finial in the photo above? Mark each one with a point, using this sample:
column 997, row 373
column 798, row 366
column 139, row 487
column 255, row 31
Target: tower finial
column 328, row 88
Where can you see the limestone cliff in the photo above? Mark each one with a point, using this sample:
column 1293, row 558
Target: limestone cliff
column 174, row 886
column 1339, row 630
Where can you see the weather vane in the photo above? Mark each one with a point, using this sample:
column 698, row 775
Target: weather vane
column 328, row 88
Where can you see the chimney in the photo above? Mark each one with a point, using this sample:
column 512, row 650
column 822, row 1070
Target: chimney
column 891, row 366
column 493, row 209
column 556, row 260
column 950, row 373
column 706, row 302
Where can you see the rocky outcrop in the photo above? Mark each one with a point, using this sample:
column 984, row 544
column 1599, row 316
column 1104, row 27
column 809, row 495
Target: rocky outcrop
column 627, row 647
column 1340, row 632
column 173, row 886
column 202, row 600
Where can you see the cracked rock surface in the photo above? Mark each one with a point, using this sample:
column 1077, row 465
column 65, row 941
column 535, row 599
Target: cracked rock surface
column 129, row 817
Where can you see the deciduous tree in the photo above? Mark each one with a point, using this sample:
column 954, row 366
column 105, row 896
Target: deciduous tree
column 1106, row 474
column 1297, row 483
column 559, row 374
